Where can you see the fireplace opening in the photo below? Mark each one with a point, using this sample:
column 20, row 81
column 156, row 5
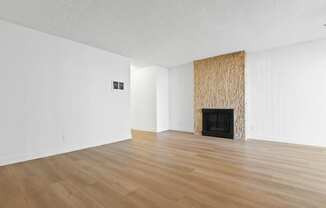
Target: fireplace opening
column 218, row 123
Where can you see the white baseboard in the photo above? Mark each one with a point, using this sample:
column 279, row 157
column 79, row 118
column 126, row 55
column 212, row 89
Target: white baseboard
column 287, row 141
column 12, row 159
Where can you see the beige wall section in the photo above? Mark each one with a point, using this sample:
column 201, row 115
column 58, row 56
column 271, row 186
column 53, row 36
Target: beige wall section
column 220, row 83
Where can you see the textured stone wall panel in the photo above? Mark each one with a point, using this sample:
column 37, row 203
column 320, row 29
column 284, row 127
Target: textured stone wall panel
column 220, row 83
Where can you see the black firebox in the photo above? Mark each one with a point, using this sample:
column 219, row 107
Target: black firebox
column 218, row 123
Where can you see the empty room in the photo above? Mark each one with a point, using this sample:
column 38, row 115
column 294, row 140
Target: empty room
column 162, row 104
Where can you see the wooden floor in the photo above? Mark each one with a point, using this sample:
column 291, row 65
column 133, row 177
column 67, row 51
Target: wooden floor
column 171, row 170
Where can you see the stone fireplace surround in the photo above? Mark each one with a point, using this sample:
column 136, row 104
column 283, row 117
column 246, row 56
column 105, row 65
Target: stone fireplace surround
column 220, row 84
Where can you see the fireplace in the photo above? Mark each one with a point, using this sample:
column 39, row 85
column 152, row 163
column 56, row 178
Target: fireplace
column 218, row 123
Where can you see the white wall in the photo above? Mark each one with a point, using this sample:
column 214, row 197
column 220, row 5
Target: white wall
column 162, row 99
column 285, row 91
column 149, row 99
column 181, row 97
column 143, row 99
column 56, row 95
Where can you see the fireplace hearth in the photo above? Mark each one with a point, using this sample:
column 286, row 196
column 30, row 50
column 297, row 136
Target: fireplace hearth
column 218, row 123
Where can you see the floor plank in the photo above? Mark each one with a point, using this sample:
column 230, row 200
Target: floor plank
column 171, row 169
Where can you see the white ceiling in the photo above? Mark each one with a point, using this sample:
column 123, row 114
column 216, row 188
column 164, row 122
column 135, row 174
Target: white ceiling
column 173, row 32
